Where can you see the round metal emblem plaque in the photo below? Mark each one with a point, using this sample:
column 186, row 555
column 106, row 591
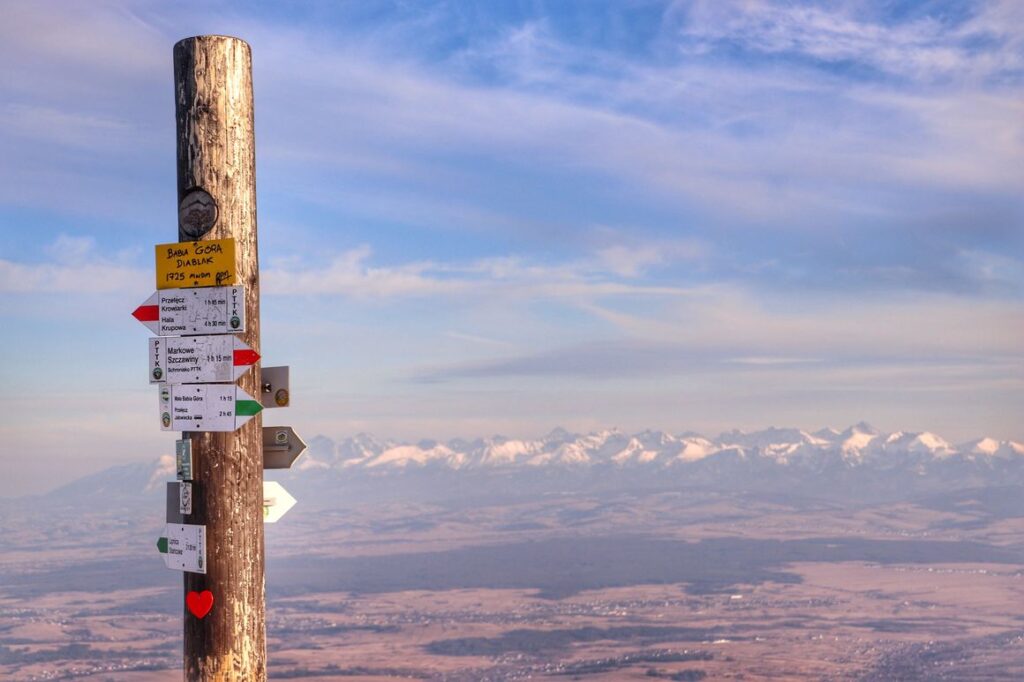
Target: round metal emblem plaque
column 197, row 213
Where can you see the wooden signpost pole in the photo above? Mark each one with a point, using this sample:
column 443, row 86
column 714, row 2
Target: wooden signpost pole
column 217, row 200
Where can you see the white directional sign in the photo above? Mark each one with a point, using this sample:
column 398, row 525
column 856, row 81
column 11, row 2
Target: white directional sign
column 205, row 407
column 209, row 310
column 198, row 359
column 184, row 547
column 276, row 501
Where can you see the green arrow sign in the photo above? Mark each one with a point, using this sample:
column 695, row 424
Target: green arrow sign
column 247, row 408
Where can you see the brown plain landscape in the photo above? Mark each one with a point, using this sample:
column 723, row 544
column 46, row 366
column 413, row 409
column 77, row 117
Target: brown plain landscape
column 667, row 585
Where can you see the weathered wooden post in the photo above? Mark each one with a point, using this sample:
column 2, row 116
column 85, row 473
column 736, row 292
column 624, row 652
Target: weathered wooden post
column 217, row 200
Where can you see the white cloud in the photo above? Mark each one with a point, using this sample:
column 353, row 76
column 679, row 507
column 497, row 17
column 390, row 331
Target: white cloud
column 633, row 259
column 348, row 274
column 77, row 267
column 787, row 145
column 73, row 129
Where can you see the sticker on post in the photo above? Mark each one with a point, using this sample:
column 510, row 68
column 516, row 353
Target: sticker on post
column 185, row 498
column 183, row 459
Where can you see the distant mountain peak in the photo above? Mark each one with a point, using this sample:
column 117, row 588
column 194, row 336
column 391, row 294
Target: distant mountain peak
column 863, row 427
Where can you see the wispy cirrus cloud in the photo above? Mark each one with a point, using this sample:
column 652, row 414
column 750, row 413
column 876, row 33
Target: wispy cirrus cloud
column 352, row 275
column 724, row 330
column 76, row 266
column 432, row 140
column 923, row 47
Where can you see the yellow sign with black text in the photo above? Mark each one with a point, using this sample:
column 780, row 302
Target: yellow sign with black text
column 209, row 263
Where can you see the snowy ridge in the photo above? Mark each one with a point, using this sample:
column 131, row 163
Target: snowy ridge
column 857, row 446
column 857, row 461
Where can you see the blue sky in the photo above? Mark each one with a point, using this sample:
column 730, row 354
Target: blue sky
column 502, row 217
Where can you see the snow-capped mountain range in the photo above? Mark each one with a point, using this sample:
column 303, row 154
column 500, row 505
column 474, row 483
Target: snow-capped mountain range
column 858, row 461
column 858, row 446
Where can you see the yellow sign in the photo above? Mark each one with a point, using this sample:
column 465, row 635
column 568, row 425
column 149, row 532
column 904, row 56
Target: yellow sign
column 209, row 263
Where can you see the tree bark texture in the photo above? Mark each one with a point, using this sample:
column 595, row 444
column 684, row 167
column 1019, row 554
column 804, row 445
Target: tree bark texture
column 216, row 152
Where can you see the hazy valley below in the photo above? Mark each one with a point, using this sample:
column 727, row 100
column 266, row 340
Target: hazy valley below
column 780, row 554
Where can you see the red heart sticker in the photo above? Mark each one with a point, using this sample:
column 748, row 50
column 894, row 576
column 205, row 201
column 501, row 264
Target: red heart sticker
column 199, row 603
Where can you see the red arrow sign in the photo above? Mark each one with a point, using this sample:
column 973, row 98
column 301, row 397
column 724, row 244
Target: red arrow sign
column 146, row 313
column 246, row 356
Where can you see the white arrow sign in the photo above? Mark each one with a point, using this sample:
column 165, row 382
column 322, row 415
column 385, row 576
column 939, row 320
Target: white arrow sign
column 205, row 407
column 209, row 310
column 184, row 547
column 276, row 501
column 198, row 359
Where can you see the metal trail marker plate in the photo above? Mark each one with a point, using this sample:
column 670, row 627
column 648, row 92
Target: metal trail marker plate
column 275, row 391
column 208, row 263
column 205, row 407
column 276, row 501
column 197, row 213
column 184, row 547
column 178, row 312
column 281, row 447
column 198, row 359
